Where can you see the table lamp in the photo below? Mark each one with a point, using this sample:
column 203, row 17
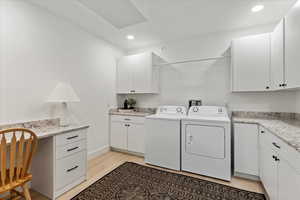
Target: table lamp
column 63, row 93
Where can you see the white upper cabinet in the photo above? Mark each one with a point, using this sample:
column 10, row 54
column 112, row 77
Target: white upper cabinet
column 138, row 74
column 251, row 63
column 124, row 76
column 277, row 57
column 292, row 47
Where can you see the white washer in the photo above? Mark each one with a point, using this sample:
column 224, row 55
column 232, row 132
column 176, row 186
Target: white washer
column 206, row 142
column 163, row 135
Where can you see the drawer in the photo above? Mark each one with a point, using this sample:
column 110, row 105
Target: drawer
column 127, row 119
column 267, row 138
column 69, row 149
column 70, row 169
column 69, row 137
column 290, row 155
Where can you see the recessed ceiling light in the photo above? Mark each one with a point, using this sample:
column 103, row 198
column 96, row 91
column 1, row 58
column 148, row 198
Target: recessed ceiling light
column 258, row 8
column 130, row 37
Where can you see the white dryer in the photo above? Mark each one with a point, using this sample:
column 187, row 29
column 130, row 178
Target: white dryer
column 163, row 135
column 206, row 142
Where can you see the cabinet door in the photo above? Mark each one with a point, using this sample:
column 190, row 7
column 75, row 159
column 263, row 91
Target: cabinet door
column 292, row 44
column 268, row 167
column 118, row 135
column 246, row 149
column 251, row 63
column 124, row 75
column 136, row 138
column 288, row 182
column 141, row 72
column 277, row 58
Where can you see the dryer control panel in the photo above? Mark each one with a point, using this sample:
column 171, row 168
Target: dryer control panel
column 208, row 111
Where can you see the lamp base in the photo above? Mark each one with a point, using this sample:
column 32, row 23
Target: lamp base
column 65, row 120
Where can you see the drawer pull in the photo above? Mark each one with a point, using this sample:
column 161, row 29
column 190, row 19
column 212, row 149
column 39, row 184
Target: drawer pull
column 72, row 149
column 127, row 119
column 73, row 168
column 70, row 138
column 276, row 145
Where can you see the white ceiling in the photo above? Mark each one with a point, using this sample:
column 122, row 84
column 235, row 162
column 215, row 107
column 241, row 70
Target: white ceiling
column 120, row 13
column 170, row 19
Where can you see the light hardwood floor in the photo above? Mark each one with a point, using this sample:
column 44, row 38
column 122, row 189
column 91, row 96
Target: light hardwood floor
column 105, row 163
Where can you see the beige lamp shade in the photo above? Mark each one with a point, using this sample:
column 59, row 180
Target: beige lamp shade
column 63, row 92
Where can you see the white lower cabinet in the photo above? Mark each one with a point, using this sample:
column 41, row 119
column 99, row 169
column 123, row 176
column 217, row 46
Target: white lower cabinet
column 246, row 149
column 268, row 167
column 288, row 182
column 118, row 135
column 60, row 163
column 127, row 133
column 280, row 169
column 136, row 138
column 278, row 163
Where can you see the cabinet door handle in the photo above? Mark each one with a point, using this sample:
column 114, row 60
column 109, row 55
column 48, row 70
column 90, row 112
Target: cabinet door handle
column 262, row 131
column 73, row 168
column 267, row 87
column 276, row 145
column 72, row 149
column 190, row 139
column 275, row 158
column 70, row 138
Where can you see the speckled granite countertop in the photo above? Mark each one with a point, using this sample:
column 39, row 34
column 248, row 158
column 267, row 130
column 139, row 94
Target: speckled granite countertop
column 285, row 127
column 139, row 112
column 51, row 131
column 45, row 128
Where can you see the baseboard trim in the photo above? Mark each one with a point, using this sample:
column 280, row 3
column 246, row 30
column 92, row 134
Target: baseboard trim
column 98, row 152
column 127, row 152
column 247, row 176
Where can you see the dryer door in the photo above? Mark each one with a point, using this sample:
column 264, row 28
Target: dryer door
column 208, row 141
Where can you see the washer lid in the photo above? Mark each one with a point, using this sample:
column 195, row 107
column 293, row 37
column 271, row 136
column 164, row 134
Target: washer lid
column 165, row 117
column 171, row 110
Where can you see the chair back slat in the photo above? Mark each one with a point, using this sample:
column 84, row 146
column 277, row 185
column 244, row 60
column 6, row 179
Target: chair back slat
column 26, row 156
column 33, row 146
column 3, row 159
column 13, row 146
column 20, row 156
column 21, row 144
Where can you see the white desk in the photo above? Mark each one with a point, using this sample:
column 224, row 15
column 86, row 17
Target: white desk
column 60, row 162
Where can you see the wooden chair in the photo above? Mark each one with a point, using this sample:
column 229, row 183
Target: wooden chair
column 17, row 147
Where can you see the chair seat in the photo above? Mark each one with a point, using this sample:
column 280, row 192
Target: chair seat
column 14, row 183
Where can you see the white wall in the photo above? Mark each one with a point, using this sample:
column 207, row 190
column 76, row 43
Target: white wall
column 298, row 102
column 209, row 81
column 38, row 50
